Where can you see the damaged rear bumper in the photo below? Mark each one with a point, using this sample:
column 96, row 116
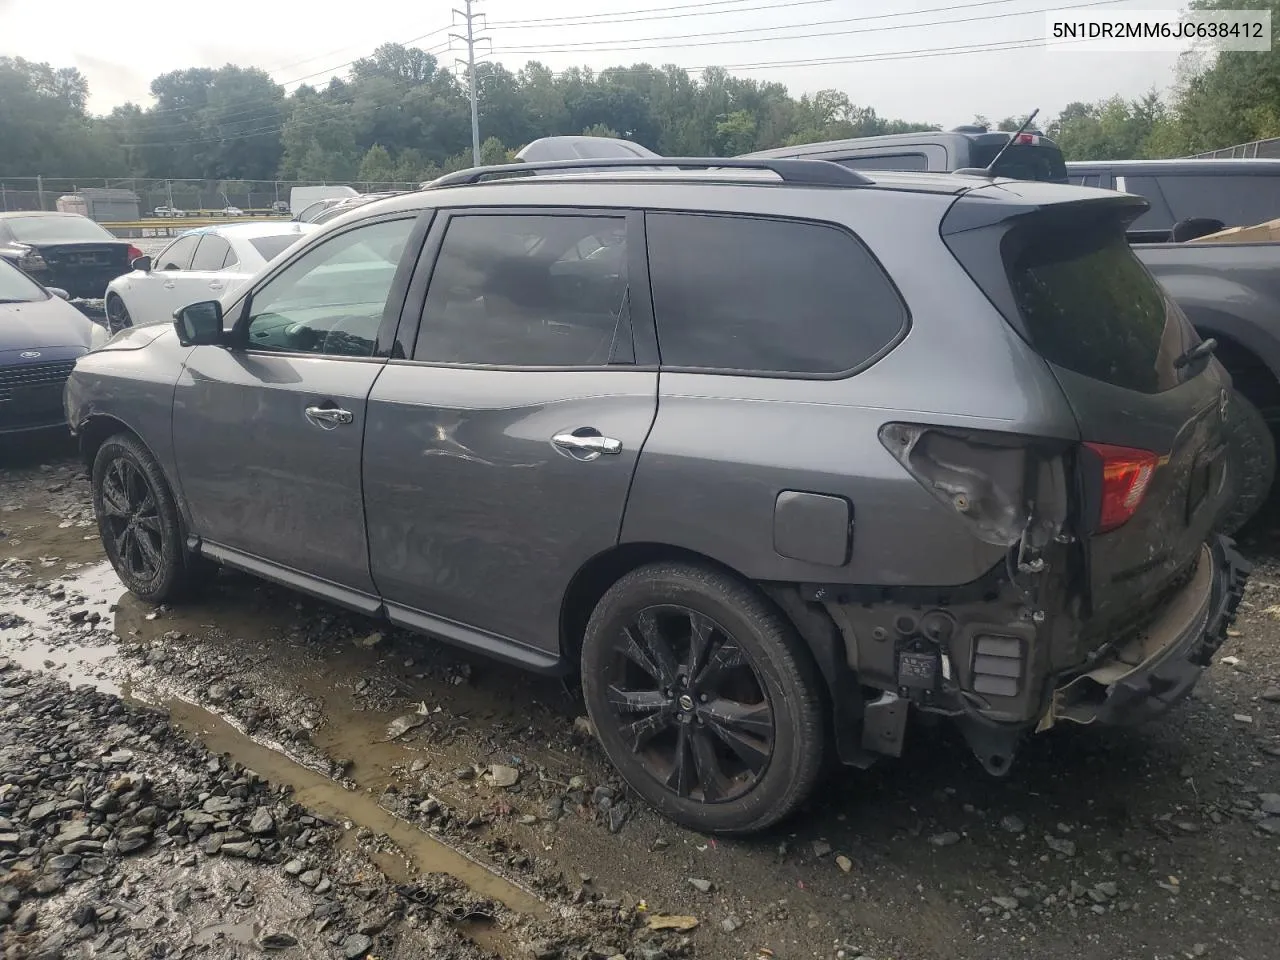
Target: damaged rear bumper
column 1145, row 676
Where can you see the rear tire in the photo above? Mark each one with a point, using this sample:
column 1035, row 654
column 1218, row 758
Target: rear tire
column 1251, row 463
column 704, row 697
column 138, row 521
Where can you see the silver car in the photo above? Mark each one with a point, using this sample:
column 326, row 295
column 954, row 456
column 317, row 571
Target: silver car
column 770, row 453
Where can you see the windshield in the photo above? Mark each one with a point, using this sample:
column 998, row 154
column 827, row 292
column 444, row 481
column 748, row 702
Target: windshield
column 272, row 247
column 16, row 286
column 1023, row 161
column 56, row 230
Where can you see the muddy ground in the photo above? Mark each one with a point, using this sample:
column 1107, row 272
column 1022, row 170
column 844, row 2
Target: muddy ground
column 477, row 791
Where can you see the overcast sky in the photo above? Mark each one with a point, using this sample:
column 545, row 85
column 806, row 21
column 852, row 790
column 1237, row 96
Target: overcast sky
column 913, row 67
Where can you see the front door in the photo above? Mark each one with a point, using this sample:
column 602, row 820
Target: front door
column 268, row 433
column 499, row 455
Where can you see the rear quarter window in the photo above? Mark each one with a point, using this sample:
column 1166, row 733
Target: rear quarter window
column 747, row 294
column 1089, row 305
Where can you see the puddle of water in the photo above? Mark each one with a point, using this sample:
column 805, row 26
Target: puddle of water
column 243, row 933
column 80, row 652
column 332, row 801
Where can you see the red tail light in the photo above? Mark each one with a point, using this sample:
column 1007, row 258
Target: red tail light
column 1027, row 138
column 1126, row 475
column 134, row 253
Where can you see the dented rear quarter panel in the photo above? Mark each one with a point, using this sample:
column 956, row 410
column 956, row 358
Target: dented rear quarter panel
column 723, row 447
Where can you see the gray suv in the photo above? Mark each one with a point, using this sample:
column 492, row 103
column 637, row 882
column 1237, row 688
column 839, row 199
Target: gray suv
column 770, row 453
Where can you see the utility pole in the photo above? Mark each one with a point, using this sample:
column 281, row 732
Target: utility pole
column 469, row 16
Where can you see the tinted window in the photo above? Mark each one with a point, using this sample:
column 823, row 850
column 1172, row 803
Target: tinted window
column 272, row 247
column 1023, row 161
column 177, row 255
column 1235, row 200
column 57, row 229
column 733, row 293
column 1089, row 305
column 230, row 260
column 330, row 300
column 528, row 291
column 211, row 253
column 893, row 161
column 1158, row 217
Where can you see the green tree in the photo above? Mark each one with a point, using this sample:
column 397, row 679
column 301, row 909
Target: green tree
column 377, row 166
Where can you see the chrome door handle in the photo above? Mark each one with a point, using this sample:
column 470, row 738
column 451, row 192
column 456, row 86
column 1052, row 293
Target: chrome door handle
column 332, row 416
column 592, row 446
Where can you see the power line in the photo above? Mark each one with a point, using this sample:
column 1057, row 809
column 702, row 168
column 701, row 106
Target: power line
column 675, row 40
column 665, row 13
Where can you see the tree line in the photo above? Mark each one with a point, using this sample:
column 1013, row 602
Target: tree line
column 399, row 116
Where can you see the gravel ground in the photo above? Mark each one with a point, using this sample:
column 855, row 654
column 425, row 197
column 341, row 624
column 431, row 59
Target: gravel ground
column 481, row 785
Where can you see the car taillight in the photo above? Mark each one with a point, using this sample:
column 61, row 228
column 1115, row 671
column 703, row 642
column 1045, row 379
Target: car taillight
column 1126, row 475
column 134, row 253
column 1027, row 138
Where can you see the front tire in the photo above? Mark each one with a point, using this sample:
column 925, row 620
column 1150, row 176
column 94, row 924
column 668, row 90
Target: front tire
column 138, row 520
column 1251, row 463
column 118, row 317
column 704, row 697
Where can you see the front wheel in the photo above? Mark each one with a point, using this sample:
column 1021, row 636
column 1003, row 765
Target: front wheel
column 118, row 317
column 138, row 520
column 1251, row 463
column 704, row 697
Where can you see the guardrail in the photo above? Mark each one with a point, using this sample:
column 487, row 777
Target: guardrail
column 167, row 226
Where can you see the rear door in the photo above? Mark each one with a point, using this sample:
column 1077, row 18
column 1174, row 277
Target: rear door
column 500, row 450
column 1152, row 467
column 202, row 279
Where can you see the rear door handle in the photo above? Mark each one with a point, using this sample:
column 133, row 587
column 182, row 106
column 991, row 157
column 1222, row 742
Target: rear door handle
column 215, row 284
column 593, row 446
column 328, row 417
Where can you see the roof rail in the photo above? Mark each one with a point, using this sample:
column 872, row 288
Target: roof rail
column 821, row 173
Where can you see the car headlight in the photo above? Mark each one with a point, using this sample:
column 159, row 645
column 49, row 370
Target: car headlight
column 98, row 336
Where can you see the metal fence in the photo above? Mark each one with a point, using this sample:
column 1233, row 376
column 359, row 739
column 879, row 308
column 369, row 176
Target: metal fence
column 42, row 193
column 1269, row 149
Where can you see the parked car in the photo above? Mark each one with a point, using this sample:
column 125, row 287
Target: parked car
column 64, row 250
column 41, row 335
column 232, row 212
column 1234, row 192
column 770, row 456
column 339, row 207
column 309, row 213
column 280, row 206
column 1032, row 156
column 169, row 212
column 197, row 264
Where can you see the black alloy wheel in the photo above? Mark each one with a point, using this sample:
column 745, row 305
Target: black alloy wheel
column 690, row 704
column 138, row 520
column 704, row 697
column 118, row 317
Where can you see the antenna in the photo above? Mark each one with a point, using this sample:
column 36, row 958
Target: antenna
column 989, row 170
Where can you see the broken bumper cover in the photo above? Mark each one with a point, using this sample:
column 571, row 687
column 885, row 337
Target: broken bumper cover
column 1148, row 674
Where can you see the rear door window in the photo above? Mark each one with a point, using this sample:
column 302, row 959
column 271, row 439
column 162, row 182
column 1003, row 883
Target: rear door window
column 211, row 253
column 529, row 291
column 767, row 296
column 1089, row 305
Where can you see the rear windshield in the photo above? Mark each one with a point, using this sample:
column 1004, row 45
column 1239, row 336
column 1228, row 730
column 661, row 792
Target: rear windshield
column 56, row 230
column 1088, row 304
column 1023, row 161
column 272, row 247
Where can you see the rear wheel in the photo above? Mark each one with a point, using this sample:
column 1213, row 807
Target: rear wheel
column 138, row 520
column 1251, row 463
column 704, row 698
column 118, row 317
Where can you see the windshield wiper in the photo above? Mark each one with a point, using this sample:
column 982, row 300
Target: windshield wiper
column 1201, row 350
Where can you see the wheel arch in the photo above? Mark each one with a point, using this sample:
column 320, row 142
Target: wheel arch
column 1250, row 372
column 93, row 431
column 842, row 695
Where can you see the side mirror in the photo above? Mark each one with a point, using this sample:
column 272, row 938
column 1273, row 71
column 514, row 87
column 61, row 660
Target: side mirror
column 141, row 263
column 59, row 292
column 199, row 324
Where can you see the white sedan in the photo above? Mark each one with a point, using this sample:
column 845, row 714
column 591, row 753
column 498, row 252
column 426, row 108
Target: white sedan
column 199, row 264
